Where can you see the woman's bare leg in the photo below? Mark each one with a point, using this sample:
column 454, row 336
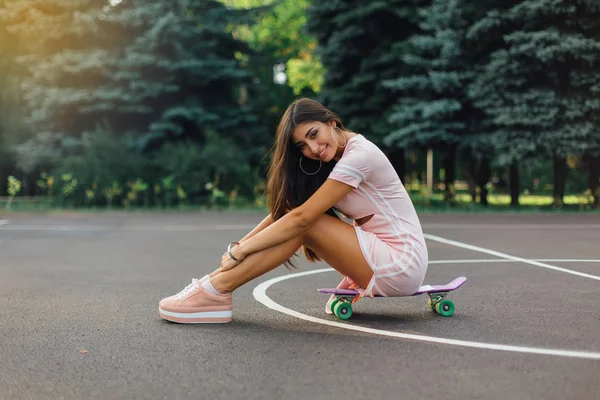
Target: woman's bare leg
column 333, row 240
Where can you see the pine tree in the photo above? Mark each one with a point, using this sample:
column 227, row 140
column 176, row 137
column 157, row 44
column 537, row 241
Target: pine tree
column 171, row 72
column 433, row 110
column 53, row 37
column 542, row 88
column 279, row 41
column 182, row 72
column 478, row 50
column 155, row 73
column 360, row 46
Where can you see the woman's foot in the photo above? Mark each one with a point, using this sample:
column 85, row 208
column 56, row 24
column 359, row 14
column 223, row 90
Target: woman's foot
column 197, row 303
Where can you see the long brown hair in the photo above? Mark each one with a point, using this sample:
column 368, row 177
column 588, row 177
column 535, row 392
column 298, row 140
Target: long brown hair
column 287, row 186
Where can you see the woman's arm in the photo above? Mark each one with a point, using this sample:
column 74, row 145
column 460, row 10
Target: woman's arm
column 262, row 225
column 296, row 221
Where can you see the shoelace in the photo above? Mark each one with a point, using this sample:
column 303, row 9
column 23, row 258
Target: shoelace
column 189, row 288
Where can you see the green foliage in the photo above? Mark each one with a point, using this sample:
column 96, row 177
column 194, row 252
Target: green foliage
column 433, row 108
column 181, row 72
column 305, row 73
column 69, row 184
column 14, row 186
column 115, row 189
column 278, row 34
column 279, row 41
column 12, row 128
column 130, row 103
column 541, row 88
column 154, row 72
column 361, row 45
column 103, row 157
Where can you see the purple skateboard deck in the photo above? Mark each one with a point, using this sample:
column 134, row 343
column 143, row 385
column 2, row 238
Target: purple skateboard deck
column 455, row 284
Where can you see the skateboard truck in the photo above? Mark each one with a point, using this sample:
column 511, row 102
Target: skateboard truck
column 437, row 303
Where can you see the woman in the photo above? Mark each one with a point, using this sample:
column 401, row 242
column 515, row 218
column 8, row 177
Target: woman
column 319, row 166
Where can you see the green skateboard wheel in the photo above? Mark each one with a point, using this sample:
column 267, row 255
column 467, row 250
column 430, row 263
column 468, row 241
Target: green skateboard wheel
column 445, row 308
column 332, row 306
column 343, row 310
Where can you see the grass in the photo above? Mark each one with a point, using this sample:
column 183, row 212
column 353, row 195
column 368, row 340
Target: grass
column 498, row 203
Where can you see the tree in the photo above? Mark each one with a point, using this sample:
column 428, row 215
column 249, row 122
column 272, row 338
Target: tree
column 478, row 149
column 12, row 128
column 541, row 88
column 282, row 47
column 153, row 73
column 279, row 33
column 360, row 45
column 433, row 110
column 48, row 35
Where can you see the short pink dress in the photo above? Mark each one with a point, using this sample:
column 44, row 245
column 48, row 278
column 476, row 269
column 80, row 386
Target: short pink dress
column 392, row 240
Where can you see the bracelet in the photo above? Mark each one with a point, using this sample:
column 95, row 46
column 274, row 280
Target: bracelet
column 229, row 251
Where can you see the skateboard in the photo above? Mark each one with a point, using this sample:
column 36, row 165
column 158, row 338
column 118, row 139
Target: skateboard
column 342, row 305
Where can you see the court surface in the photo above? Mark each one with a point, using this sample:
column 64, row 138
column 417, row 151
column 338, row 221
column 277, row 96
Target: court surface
column 79, row 295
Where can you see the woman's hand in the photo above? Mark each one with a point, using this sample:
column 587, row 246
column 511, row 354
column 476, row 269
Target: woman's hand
column 227, row 262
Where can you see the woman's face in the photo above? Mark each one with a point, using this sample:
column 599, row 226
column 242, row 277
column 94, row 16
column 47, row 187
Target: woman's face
column 314, row 140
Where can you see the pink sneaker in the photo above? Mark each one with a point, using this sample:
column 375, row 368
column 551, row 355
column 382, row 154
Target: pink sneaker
column 197, row 305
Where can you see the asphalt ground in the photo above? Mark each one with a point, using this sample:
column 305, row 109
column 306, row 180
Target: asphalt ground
column 79, row 295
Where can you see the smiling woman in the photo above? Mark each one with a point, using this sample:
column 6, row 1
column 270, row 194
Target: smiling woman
column 319, row 168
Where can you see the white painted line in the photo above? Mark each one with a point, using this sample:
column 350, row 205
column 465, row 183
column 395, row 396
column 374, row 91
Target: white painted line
column 132, row 228
column 208, row 227
column 501, row 260
column 51, row 228
column 510, row 226
column 4, row 221
column 509, row 257
column 566, row 260
column 260, row 295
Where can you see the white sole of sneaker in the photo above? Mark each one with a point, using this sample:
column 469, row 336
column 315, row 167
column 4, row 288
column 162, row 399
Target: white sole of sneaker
column 208, row 317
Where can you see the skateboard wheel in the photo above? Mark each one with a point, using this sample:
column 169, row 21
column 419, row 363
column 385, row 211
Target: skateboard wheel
column 433, row 301
column 431, row 304
column 343, row 310
column 332, row 306
column 445, row 308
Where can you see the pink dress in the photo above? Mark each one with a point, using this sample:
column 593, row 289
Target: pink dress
column 392, row 240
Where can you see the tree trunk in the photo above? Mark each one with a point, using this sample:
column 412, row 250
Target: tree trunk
column 560, row 175
column 396, row 157
column 484, row 174
column 470, row 171
column 594, row 179
column 513, row 181
column 450, row 174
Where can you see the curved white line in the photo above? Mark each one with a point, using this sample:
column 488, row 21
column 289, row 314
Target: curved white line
column 4, row 221
column 510, row 226
column 508, row 256
column 567, row 260
column 495, row 260
column 260, row 295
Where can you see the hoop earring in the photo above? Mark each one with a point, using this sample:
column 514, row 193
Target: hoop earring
column 344, row 136
column 312, row 173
